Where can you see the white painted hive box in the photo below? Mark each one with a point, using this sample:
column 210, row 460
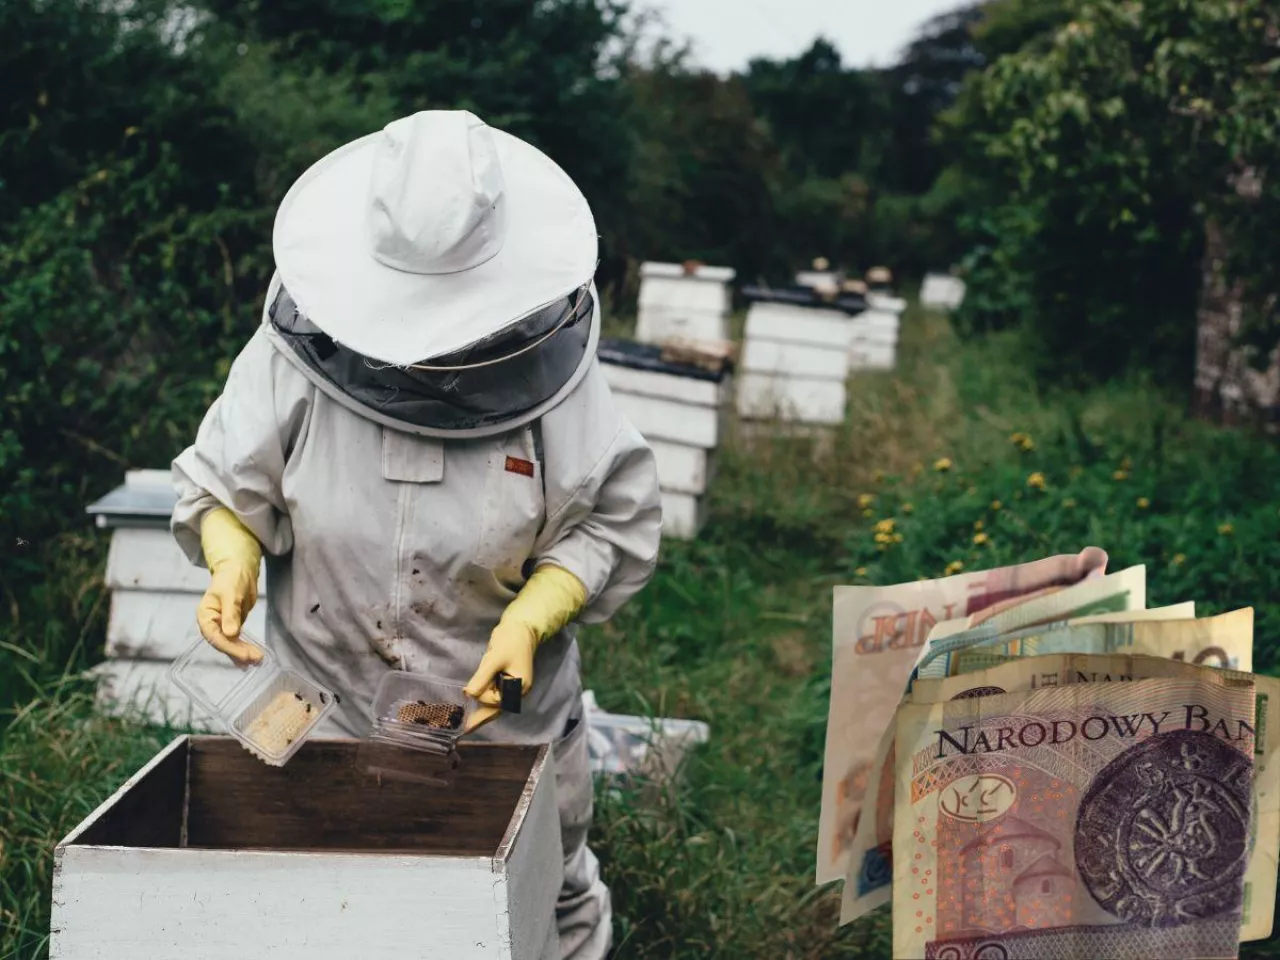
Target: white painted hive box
column 208, row 854
column 691, row 305
column 794, row 363
column 154, row 593
column 942, row 292
column 875, row 340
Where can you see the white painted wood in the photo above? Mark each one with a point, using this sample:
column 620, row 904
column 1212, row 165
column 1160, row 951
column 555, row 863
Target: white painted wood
column 793, row 359
column 884, row 301
column 681, row 468
column 942, row 292
column 658, row 419
column 817, row 278
column 786, row 323
column 149, row 478
column 683, row 515
column 676, row 270
column 665, row 386
column 142, row 689
column 873, row 358
column 660, row 324
column 762, row 397
column 128, row 903
column 877, row 320
column 141, row 559
column 154, row 625
column 534, row 871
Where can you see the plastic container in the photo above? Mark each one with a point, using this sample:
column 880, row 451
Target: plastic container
column 269, row 709
column 622, row 747
column 417, row 720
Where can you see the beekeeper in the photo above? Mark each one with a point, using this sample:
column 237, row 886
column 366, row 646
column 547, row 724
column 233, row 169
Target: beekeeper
column 419, row 439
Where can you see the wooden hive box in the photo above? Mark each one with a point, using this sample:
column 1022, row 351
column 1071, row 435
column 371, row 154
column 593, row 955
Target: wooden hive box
column 941, row 291
column 794, row 363
column 875, row 340
column 154, row 593
column 680, row 410
column 692, row 305
column 207, row 854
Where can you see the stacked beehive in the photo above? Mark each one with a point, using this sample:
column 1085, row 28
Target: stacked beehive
column 154, row 593
column 688, row 301
column 795, row 357
column 875, row 333
column 679, row 408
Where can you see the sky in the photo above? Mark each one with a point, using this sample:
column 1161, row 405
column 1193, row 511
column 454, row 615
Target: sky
column 728, row 33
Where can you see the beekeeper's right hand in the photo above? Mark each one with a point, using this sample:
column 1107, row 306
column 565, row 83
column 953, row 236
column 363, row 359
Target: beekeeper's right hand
column 233, row 555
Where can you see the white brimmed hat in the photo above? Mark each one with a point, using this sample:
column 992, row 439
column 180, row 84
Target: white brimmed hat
column 436, row 232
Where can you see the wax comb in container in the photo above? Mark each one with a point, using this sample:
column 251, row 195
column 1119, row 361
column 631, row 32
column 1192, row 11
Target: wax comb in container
column 269, row 709
column 417, row 722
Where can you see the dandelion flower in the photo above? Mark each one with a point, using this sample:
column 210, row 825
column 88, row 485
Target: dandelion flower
column 1143, row 503
column 907, row 508
column 1069, row 503
column 996, row 505
column 865, row 500
column 942, row 465
column 978, row 524
column 1120, row 475
column 885, row 525
column 1179, row 559
column 883, row 538
column 1226, row 529
column 860, row 572
column 1022, row 441
column 1036, row 481
column 981, row 538
column 954, row 567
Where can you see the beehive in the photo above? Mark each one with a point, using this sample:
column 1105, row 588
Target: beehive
column 205, row 854
column 941, row 291
column 154, row 593
column 680, row 410
column 690, row 302
column 795, row 360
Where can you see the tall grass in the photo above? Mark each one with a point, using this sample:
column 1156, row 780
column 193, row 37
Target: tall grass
column 735, row 629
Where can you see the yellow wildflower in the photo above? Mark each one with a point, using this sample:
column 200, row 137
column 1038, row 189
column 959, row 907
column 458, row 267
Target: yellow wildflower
column 1069, row 502
column 942, row 465
column 1120, row 475
column 1036, row 481
column 978, row 524
column 865, row 500
column 883, row 538
column 1226, row 529
column 981, row 538
column 885, row 525
column 954, row 567
column 860, row 572
column 996, row 505
column 907, row 508
column 1143, row 503
column 1022, row 441
column 1179, row 559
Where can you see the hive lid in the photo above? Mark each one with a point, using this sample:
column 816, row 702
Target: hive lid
column 850, row 303
column 644, row 356
column 140, row 501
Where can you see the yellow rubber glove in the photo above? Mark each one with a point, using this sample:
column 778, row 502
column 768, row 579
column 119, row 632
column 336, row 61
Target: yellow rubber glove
column 549, row 599
column 234, row 556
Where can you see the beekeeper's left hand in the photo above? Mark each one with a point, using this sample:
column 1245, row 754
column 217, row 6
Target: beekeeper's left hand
column 549, row 599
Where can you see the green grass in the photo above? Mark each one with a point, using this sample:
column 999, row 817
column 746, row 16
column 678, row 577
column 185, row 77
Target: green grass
column 735, row 629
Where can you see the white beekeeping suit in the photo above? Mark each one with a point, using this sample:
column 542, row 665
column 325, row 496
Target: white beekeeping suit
column 418, row 430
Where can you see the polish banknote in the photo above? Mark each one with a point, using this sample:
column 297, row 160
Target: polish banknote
column 1032, row 673
column 1080, row 820
column 877, row 635
column 868, row 872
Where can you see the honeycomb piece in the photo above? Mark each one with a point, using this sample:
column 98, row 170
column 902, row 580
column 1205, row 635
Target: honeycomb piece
column 286, row 717
column 445, row 715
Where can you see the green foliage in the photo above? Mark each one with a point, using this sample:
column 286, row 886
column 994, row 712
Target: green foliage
column 1105, row 143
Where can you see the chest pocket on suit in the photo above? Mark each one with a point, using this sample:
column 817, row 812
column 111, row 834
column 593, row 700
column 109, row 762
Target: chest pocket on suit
column 514, row 506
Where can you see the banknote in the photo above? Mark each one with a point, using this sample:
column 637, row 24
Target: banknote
column 1175, row 611
column 1115, row 592
column 868, row 872
column 1084, row 820
column 877, row 635
column 1033, row 673
column 1223, row 641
